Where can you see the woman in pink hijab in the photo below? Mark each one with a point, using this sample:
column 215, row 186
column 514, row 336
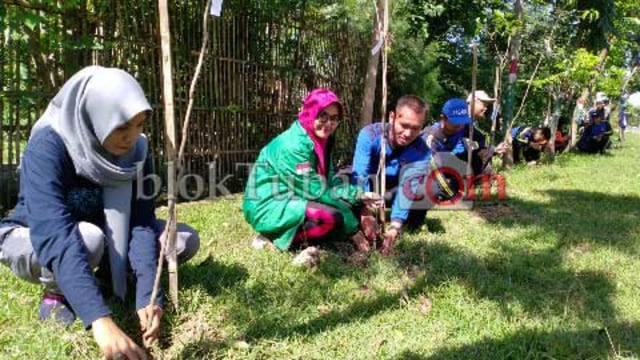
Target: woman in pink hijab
column 292, row 196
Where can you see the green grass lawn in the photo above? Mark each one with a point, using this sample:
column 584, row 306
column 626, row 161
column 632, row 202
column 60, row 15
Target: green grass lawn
column 552, row 273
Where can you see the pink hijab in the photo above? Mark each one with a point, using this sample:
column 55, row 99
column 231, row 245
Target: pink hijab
column 313, row 104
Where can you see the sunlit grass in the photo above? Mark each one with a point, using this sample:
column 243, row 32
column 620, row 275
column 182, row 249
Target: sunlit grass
column 553, row 273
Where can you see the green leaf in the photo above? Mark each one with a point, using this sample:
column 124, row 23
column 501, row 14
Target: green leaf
column 31, row 20
column 591, row 15
column 24, row 71
column 3, row 13
column 17, row 36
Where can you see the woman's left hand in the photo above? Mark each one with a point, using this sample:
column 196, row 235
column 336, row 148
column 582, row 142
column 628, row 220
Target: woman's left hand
column 150, row 323
column 369, row 226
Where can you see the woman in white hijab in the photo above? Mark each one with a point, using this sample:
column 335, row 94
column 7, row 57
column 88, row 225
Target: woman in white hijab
column 78, row 195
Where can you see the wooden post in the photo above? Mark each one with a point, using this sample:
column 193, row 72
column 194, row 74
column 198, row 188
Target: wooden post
column 170, row 148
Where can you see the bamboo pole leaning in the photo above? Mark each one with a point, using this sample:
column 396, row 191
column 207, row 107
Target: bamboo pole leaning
column 383, row 143
column 474, row 71
column 169, row 235
column 170, row 229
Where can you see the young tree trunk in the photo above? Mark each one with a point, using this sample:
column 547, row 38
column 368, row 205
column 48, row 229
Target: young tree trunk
column 370, row 81
column 578, row 112
column 553, row 124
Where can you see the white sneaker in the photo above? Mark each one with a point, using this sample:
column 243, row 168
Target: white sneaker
column 260, row 242
column 308, row 257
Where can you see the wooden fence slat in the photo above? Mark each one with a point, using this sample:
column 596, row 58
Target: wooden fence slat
column 260, row 60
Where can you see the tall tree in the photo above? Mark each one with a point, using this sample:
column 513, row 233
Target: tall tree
column 514, row 55
column 368, row 99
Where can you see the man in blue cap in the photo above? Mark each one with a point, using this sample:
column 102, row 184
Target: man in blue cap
column 449, row 136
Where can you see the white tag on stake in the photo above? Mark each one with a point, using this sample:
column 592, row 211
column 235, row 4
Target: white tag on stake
column 216, row 7
column 378, row 45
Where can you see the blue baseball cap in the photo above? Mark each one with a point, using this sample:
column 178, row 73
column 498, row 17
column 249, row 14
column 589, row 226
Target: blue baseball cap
column 456, row 112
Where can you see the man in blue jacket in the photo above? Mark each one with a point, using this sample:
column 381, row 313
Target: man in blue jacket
column 404, row 149
column 449, row 137
column 595, row 137
column 529, row 142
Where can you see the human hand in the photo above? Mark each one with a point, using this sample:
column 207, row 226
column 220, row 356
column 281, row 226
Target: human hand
column 150, row 323
column 369, row 226
column 485, row 156
column 361, row 242
column 371, row 200
column 501, row 148
column 113, row 342
column 390, row 237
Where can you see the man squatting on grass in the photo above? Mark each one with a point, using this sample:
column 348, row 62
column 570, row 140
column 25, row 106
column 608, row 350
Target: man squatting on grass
column 481, row 153
column 78, row 199
column 448, row 139
column 596, row 133
column 406, row 154
column 529, row 142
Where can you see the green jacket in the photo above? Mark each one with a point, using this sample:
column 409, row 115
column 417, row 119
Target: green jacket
column 284, row 179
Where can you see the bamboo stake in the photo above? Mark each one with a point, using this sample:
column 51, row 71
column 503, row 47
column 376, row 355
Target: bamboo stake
column 383, row 147
column 474, row 68
column 496, row 106
column 170, row 147
column 171, row 222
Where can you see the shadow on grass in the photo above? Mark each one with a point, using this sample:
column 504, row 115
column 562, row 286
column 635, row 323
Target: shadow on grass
column 213, row 276
column 434, row 226
column 578, row 217
column 536, row 281
column 559, row 344
column 278, row 321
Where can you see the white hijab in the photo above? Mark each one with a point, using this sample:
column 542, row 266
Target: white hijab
column 92, row 104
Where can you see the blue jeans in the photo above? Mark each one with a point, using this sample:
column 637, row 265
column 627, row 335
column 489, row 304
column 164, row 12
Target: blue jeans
column 17, row 253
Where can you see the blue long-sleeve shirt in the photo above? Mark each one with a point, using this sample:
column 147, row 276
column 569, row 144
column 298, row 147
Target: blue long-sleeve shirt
column 53, row 200
column 595, row 130
column 521, row 137
column 366, row 161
